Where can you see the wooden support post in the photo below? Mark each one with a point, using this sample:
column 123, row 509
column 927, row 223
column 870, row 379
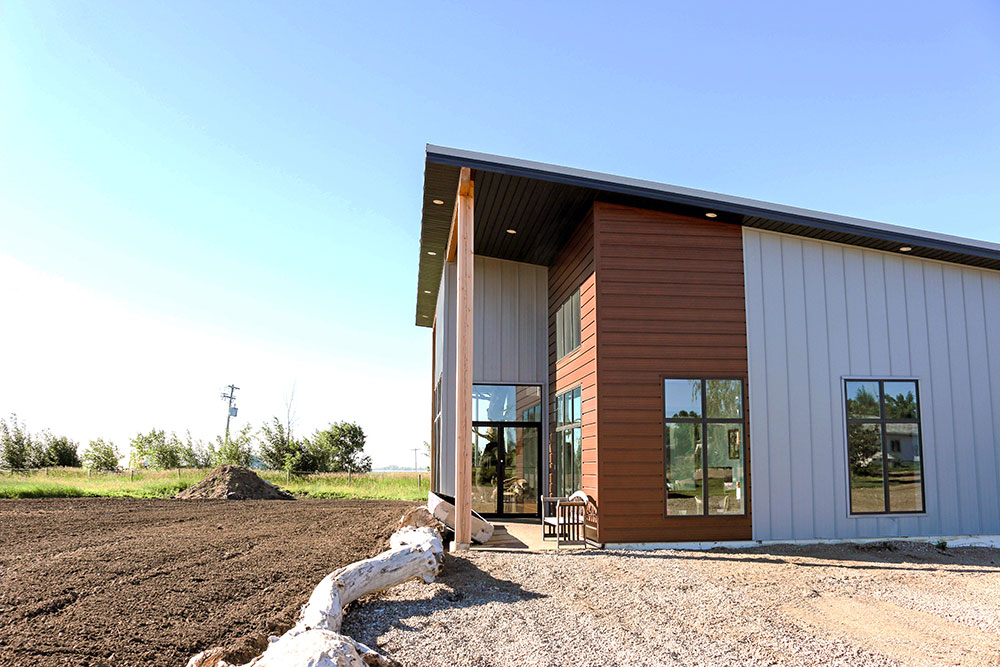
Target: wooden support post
column 463, row 234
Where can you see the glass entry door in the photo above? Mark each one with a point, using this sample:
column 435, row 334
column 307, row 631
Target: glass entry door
column 505, row 468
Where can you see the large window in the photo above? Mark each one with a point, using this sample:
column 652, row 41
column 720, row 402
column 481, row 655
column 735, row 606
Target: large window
column 883, row 446
column 704, row 427
column 568, row 326
column 506, row 433
column 569, row 443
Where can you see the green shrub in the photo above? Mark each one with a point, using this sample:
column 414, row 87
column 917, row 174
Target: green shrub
column 338, row 448
column 100, row 455
column 156, row 450
column 15, row 444
column 59, row 451
column 278, row 449
column 238, row 451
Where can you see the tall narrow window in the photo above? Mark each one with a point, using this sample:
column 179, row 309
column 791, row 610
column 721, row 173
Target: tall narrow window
column 568, row 325
column 703, row 457
column 569, row 444
column 436, row 436
column 883, row 446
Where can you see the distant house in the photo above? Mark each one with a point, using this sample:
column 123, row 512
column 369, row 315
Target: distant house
column 704, row 367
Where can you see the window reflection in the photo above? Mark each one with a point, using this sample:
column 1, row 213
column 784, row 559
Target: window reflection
column 883, row 446
column 682, row 398
column 704, row 447
column 494, row 403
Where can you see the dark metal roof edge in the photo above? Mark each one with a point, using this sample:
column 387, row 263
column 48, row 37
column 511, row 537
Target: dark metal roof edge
column 715, row 201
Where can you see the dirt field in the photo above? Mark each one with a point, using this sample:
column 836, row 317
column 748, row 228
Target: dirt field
column 151, row 582
column 908, row 604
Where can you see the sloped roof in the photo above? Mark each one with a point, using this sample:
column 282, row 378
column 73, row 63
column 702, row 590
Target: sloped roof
column 545, row 202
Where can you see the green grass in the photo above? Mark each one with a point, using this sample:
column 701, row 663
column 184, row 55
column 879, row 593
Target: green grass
column 76, row 483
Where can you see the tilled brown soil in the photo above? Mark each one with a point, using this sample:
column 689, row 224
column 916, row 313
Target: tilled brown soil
column 152, row 582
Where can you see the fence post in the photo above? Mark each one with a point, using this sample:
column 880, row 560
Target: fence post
column 288, row 476
column 131, row 475
column 418, row 481
column 178, row 474
column 348, row 476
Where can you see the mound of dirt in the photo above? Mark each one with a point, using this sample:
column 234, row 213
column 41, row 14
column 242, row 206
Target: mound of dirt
column 234, row 483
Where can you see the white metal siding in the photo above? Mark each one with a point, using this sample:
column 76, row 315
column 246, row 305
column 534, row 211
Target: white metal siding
column 444, row 357
column 510, row 330
column 817, row 312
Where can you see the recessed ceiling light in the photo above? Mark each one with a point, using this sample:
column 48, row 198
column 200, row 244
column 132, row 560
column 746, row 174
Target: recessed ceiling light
column 711, row 215
column 431, row 252
column 424, row 316
column 905, row 248
column 512, row 231
column 427, row 291
column 438, row 201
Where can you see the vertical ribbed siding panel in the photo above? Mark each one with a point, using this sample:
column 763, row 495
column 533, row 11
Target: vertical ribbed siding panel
column 446, row 355
column 760, row 473
column 982, row 402
column 817, row 312
column 916, row 296
column 776, row 380
column 939, row 412
column 512, row 318
column 796, row 346
column 817, row 412
column 834, row 280
column 991, row 295
column 489, row 274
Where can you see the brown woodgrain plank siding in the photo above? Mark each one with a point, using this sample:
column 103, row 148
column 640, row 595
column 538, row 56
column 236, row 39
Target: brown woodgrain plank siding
column 669, row 303
column 573, row 268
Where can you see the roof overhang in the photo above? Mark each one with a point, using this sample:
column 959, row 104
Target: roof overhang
column 543, row 203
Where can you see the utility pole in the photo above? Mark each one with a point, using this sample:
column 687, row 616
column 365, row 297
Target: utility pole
column 415, row 450
column 231, row 397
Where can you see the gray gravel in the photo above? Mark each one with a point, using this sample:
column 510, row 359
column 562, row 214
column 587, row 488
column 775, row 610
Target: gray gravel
column 890, row 604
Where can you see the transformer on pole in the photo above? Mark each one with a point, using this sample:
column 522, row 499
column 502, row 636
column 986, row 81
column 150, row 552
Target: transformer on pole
column 231, row 397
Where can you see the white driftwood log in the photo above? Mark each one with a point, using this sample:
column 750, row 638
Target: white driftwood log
column 315, row 641
column 444, row 511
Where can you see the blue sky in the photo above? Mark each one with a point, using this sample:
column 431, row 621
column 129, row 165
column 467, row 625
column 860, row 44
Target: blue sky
column 234, row 188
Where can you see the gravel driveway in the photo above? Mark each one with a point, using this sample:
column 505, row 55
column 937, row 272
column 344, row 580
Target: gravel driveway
column 888, row 604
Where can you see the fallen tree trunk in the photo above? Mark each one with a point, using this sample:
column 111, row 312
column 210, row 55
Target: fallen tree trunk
column 415, row 553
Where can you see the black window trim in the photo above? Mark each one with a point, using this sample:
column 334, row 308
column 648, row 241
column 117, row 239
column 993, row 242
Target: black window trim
column 558, row 430
column 704, row 420
column 882, row 420
column 576, row 317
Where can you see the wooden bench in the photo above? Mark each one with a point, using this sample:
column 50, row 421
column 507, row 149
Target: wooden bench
column 562, row 518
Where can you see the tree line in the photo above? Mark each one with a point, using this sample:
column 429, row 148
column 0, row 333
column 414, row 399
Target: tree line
column 337, row 448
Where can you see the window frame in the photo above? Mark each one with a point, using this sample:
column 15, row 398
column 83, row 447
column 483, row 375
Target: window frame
column 569, row 343
column 882, row 421
column 437, row 433
column 521, row 423
column 559, row 430
column 704, row 420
